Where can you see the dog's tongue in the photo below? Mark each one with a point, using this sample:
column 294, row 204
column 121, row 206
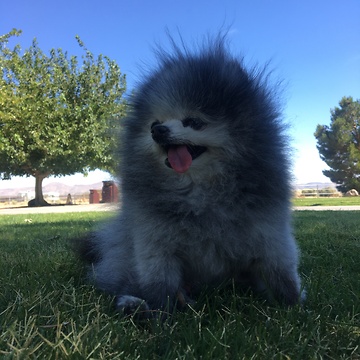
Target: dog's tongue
column 179, row 158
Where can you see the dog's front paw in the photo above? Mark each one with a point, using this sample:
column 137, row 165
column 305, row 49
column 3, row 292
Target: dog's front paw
column 131, row 305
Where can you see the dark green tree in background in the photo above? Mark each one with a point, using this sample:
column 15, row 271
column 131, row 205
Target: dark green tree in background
column 58, row 115
column 339, row 145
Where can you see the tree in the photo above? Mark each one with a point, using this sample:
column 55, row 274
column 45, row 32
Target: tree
column 339, row 145
column 58, row 116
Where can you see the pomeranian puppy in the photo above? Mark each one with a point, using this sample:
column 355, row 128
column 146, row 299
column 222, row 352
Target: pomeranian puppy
column 205, row 187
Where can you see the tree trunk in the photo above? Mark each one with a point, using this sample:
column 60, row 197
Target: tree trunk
column 39, row 198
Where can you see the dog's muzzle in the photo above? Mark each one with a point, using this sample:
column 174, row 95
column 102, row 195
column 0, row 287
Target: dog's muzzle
column 160, row 133
column 180, row 154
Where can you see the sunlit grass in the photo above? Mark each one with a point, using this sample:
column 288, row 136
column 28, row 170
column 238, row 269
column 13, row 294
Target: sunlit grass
column 47, row 311
column 324, row 201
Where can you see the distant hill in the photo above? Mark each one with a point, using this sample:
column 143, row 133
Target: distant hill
column 64, row 189
column 314, row 185
column 60, row 188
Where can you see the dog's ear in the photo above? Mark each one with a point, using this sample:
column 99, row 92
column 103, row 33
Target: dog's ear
column 86, row 248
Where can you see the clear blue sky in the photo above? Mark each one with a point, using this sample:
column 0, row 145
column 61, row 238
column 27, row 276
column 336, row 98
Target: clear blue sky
column 314, row 46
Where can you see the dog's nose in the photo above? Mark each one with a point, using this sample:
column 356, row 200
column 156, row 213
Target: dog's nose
column 159, row 132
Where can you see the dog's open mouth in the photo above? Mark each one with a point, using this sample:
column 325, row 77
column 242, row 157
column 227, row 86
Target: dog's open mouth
column 180, row 157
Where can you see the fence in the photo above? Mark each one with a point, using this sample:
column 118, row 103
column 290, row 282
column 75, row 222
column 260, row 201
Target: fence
column 327, row 192
column 320, row 194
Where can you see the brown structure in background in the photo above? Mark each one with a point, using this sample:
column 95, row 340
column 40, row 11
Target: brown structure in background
column 94, row 197
column 109, row 192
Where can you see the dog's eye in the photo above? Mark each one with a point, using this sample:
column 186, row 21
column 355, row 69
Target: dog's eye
column 194, row 123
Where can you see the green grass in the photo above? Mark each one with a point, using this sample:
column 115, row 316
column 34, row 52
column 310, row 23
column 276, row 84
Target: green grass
column 323, row 201
column 48, row 312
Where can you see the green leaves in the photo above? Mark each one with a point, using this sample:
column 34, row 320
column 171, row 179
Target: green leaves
column 339, row 145
column 56, row 109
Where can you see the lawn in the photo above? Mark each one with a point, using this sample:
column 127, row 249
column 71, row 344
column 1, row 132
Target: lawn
column 327, row 201
column 47, row 311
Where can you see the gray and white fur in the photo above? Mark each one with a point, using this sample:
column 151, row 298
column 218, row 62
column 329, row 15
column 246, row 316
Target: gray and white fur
column 205, row 186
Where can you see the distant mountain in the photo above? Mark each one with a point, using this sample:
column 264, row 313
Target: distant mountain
column 60, row 188
column 64, row 189
column 314, row 185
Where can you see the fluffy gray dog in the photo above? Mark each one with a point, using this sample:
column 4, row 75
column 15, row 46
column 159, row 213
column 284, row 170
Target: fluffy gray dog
column 205, row 187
